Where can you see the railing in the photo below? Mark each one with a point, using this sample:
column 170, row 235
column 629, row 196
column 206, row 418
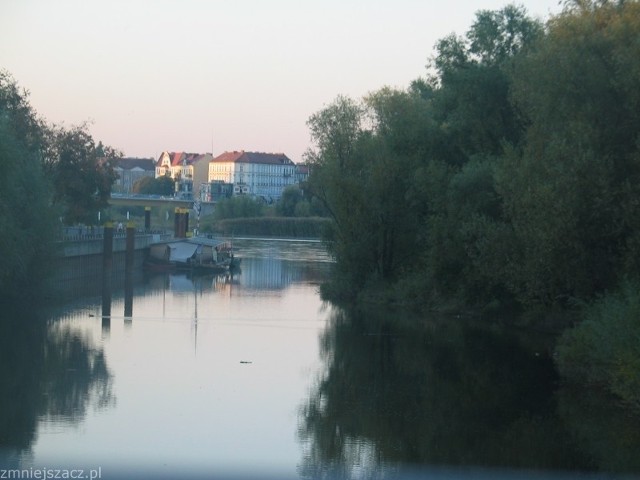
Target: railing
column 83, row 233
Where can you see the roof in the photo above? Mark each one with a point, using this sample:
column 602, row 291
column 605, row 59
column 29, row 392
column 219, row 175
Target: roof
column 253, row 157
column 131, row 163
column 181, row 158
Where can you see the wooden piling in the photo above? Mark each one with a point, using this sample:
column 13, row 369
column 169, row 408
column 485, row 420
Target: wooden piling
column 107, row 247
column 131, row 241
column 107, row 263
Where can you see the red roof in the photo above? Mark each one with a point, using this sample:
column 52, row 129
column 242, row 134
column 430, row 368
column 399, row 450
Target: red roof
column 178, row 158
column 254, row 157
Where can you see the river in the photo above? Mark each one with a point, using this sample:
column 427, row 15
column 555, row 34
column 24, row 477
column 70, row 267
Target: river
column 255, row 375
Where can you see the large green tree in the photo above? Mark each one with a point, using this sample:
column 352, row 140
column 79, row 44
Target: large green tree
column 26, row 215
column 471, row 120
column 361, row 168
column 571, row 193
column 81, row 172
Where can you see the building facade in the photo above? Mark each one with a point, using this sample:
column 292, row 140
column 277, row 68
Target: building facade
column 257, row 174
column 187, row 169
column 130, row 171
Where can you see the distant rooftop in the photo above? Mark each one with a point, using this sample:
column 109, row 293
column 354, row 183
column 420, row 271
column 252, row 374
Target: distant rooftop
column 181, row 158
column 253, row 157
column 129, row 163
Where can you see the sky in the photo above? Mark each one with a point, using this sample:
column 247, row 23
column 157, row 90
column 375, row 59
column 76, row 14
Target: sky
column 219, row 75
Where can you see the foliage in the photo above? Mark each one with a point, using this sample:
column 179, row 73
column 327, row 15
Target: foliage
column 26, row 215
column 603, row 350
column 240, row 206
column 81, row 171
column 286, row 227
column 291, row 197
column 298, row 201
column 164, row 185
column 510, row 174
column 50, row 172
column 571, row 193
column 363, row 150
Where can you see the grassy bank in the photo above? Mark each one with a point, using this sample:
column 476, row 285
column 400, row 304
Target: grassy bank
column 295, row 227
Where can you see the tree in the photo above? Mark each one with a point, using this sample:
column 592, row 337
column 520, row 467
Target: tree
column 163, row 185
column 359, row 171
column 82, row 173
column 291, row 197
column 26, row 215
column 469, row 120
column 339, row 165
column 240, row 206
column 571, row 192
column 471, row 85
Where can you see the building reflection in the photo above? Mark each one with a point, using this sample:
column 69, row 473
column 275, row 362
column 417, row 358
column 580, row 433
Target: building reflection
column 276, row 274
column 255, row 274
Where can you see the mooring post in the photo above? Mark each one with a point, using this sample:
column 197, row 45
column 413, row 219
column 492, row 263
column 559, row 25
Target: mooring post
column 107, row 247
column 128, row 269
column 131, row 240
column 128, row 297
column 176, row 222
column 147, row 219
column 186, row 221
column 107, row 260
column 181, row 220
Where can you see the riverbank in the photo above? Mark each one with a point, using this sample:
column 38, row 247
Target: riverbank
column 289, row 227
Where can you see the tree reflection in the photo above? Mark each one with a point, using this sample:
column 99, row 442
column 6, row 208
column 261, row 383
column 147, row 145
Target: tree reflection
column 405, row 391
column 46, row 371
column 75, row 374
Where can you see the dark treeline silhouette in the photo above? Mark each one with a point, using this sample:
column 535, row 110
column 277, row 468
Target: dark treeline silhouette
column 52, row 174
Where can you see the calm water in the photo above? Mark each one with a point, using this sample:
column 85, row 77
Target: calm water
column 256, row 375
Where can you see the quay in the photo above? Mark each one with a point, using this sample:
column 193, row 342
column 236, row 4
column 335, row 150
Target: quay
column 82, row 241
column 82, row 261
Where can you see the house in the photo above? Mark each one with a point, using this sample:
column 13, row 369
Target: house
column 188, row 169
column 129, row 171
column 215, row 191
column 257, row 174
column 302, row 172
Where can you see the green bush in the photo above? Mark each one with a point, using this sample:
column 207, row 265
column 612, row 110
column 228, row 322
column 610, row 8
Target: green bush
column 272, row 226
column 604, row 350
column 238, row 207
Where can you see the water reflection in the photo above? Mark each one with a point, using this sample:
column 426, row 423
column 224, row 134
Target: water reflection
column 400, row 391
column 49, row 373
column 176, row 339
column 211, row 370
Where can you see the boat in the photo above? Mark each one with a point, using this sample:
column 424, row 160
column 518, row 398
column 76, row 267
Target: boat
column 213, row 258
column 159, row 258
column 200, row 254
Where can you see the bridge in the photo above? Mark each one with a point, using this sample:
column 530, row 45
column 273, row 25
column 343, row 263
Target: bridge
column 158, row 201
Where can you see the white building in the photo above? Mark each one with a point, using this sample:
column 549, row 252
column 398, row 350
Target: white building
column 259, row 174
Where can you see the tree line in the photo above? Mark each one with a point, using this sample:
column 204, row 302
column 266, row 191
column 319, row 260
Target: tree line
column 53, row 174
column 508, row 176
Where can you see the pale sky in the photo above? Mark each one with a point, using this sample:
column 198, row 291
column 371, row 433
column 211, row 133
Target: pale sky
column 189, row 75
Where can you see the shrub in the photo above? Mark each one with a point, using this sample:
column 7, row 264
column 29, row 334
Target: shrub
column 604, row 349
